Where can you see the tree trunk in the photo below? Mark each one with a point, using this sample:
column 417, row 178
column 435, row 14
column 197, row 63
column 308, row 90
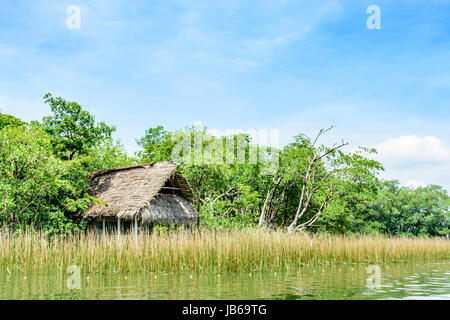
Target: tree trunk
column 270, row 195
column 275, row 212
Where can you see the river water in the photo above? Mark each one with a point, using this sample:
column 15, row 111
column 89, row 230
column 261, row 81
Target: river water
column 388, row 281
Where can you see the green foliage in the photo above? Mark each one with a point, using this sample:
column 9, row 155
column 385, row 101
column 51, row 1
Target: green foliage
column 43, row 185
column 38, row 189
column 356, row 184
column 237, row 208
column 6, row 120
column 157, row 145
column 346, row 192
column 106, row 155
column 73, row 130
column 44, row 168
column 400, row 210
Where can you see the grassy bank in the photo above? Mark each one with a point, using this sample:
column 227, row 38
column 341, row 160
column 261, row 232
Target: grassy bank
column 235, row 251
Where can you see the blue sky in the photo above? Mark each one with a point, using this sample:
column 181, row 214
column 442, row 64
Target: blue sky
column 291, row 65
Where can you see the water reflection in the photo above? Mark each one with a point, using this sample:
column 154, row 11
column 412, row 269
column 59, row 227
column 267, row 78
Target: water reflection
column 398, row 281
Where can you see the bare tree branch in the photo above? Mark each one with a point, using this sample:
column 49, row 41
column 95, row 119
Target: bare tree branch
column 322, row 132
column 310, row 179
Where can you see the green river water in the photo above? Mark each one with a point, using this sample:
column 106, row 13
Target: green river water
column 396, row 281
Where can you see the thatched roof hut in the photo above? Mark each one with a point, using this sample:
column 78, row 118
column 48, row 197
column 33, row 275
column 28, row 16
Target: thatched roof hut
column 148, row 193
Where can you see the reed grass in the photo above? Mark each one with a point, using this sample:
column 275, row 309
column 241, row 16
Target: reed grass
column 207, row 252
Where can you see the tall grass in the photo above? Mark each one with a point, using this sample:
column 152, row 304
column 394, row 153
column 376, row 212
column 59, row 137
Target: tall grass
column 235, row 251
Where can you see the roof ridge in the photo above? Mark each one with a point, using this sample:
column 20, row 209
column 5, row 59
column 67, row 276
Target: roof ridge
column 122, row 168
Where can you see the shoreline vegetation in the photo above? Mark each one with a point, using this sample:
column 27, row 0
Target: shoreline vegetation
column 320, row 205
column 207, row 252
column 45, row 167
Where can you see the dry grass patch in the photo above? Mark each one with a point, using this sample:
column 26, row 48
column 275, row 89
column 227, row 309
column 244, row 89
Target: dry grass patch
column 234, row 251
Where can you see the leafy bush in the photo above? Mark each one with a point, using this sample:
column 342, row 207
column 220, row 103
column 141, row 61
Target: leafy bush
column 38, row 189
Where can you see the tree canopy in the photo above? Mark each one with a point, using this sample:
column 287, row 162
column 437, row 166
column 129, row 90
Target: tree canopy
column 6, row 120
column 45, row 166
column 72, row 129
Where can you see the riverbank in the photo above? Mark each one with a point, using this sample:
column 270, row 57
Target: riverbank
column 208, row 252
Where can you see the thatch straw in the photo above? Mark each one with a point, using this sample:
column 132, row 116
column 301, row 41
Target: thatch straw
column 181, row 211
column 132, row 191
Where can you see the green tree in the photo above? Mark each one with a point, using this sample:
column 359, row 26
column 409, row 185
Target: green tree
column 397, row 210
column 316, row 187
column 157, row 144
column 73, row 130
column 356, row 185
column 106, row 155
column 38, row 189
column 6, row 120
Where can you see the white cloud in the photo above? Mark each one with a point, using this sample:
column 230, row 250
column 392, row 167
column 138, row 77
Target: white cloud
column 411, row 150
column 421, row 175
column 290, row 29
column 415, row 161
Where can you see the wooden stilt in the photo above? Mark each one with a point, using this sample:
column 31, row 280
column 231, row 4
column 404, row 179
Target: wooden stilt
column 136, row 229
column 152, row 225
column 118, row 228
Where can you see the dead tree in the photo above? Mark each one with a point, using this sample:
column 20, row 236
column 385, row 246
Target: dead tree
column 310, row 186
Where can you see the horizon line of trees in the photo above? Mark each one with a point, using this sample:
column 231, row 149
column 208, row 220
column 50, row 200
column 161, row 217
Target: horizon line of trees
column 45, row 165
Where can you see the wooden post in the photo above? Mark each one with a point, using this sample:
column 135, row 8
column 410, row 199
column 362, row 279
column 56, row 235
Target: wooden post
column 104, row 227
column 151, row 227
column 136, row 229
column 118, row 228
